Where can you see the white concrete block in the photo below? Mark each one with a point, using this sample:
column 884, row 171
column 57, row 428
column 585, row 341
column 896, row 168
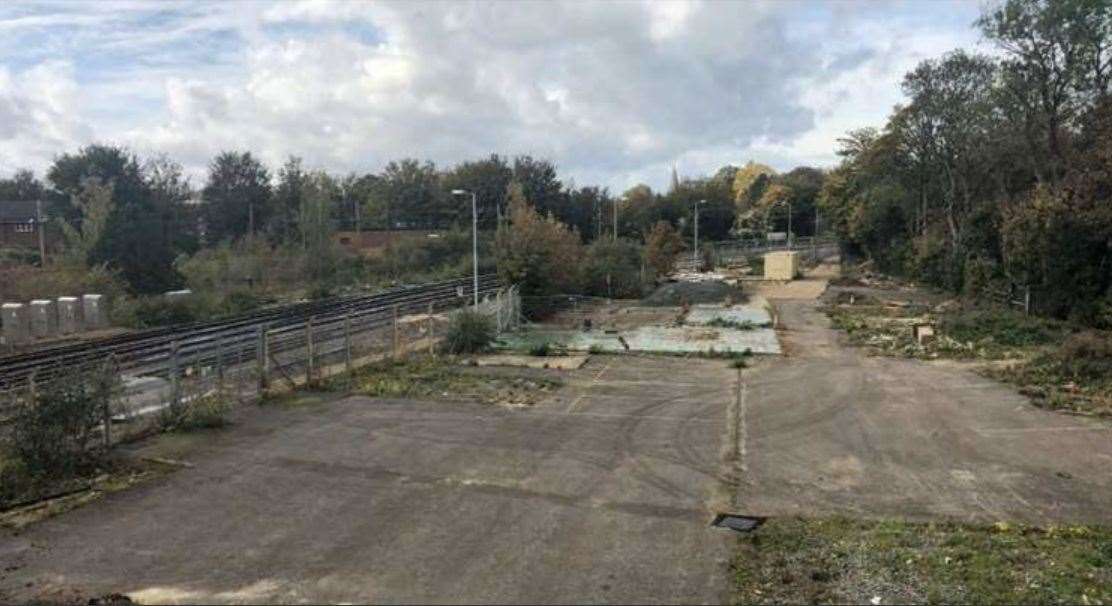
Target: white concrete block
column 17, row 323
column 69, row 315
column 92, row 307
column 44, row 321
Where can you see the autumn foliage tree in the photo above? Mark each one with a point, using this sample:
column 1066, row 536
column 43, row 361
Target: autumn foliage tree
column 538, row 253
column 663, row 246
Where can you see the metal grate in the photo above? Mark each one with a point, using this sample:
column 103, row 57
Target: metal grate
column 736, row 522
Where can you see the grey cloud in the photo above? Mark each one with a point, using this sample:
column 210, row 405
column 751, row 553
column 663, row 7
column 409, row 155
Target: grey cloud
column 608, row 90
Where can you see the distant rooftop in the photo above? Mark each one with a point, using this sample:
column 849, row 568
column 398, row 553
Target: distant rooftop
column 17, row 211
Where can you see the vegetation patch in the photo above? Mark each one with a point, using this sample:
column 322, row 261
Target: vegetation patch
column 736, row 324
column 839, row 560
column 27, row 498
column 978, row 334
column 443, row 378
column 469, row 332
column 205, row 412
column 1077, row 376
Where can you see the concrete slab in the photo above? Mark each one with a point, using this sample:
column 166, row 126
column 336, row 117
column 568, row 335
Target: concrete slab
column 651, row 339
column 754, row 312
column 556, row 362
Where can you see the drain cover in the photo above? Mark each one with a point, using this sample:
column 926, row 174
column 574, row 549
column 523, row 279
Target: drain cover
column 737, row 522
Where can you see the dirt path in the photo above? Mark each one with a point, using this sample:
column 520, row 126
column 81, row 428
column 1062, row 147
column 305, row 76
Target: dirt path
column 602, row 494
column 833, row 430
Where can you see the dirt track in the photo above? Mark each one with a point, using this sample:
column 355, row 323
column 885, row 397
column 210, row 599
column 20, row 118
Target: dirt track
column 833, row 430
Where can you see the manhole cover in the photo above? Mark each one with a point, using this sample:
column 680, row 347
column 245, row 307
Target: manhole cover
column 736, row 522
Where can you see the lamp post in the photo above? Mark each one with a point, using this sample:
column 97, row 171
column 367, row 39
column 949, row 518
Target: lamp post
column 616, row 200
column 474, row 238
column 696, row 259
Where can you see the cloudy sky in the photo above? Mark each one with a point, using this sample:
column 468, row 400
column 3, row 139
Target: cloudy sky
column 614, row 92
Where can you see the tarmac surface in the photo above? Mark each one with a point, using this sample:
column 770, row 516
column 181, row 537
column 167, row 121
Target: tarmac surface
column 832, row 430
column 602, row 493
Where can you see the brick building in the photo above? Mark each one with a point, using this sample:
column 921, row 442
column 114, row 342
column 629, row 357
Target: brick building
column 19, row 226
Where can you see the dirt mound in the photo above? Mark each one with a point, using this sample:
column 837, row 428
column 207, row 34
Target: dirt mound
column 674, row 294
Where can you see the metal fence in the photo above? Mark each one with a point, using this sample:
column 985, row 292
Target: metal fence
column 248, row 368
column 733, row 251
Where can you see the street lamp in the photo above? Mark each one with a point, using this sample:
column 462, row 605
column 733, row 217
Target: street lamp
column 696, row 259
column 623, row 199
column 474, row 238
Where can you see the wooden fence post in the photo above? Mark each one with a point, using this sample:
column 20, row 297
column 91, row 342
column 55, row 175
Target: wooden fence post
column 110, row 378
column 394, row 349
column 220, row 351
column 432, row 327
column 309, row 351
column 262, row 356
column 175, row 377
column 347, row 344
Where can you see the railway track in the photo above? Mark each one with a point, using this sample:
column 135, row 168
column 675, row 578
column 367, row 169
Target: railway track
column 151, row 351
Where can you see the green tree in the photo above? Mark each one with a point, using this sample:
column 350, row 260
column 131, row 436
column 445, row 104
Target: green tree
column 135, row 239
column 489, row 179
column 409, row 195
column 237, row 197
column 613, row 268
column 314, row 223
column 22, row 186
column 94, row 202
column 539, row 184
column 287, row 200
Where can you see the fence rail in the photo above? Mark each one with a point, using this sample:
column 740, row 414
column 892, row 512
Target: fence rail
column 736, row 250
column 145, row 351
column 246, row 366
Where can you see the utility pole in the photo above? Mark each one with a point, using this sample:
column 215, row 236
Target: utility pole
column 474, row 238
column 42, row 238
column 615, row 219
column 598, row 219
column 475, row 245
column 696, row 259
column 789, row 225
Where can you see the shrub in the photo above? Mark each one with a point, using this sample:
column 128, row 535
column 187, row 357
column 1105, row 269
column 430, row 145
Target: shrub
column 207, row 412
column 468, row 332
column 541, row 350
column 613, row 269
column 1002, row 327
column 1086, row 355
column 157, row 310
column 53, row 428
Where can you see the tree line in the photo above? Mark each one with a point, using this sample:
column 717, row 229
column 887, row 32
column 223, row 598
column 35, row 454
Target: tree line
column 137, row 217
column 995, row 175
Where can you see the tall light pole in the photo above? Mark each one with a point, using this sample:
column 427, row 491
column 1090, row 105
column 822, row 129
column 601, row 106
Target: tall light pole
column 696, row 259
column 474, row 238
column 790, row 238
column 616, row 200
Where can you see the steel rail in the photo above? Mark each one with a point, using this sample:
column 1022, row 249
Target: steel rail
column 140, row 348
